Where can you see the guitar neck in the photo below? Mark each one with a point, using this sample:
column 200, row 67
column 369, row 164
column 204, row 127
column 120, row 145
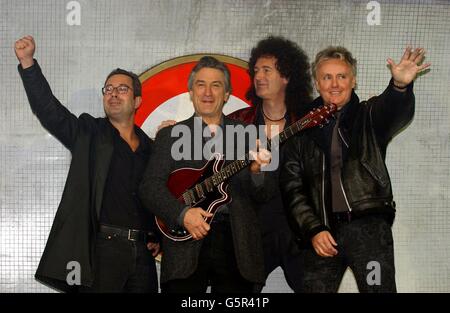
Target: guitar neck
column 291, row 130
column 313, row 118
column 196, row 193
column 233, row 168
column 230, row 170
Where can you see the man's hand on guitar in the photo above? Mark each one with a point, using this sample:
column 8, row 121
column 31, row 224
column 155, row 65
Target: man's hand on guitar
column 194, row 222
column 261, row 158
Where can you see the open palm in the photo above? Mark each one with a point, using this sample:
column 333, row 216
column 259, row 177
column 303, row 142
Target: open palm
column 409, row 66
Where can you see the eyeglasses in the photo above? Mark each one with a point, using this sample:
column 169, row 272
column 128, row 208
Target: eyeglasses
column 121, row 89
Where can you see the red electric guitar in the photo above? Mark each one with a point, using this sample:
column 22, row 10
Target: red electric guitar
column 206, row 187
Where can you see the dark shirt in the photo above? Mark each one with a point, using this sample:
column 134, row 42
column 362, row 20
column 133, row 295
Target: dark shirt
column 121, row 205
column 271, row 212
column 339, row 203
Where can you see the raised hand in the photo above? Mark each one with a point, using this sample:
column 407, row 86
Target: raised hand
column 24, row 49
column 261, row 158
column 409, row 66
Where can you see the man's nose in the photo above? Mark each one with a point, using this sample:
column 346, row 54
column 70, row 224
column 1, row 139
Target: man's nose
column 334, row 82
column 114, row 92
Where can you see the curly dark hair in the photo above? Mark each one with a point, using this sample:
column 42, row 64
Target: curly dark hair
column 292, row 63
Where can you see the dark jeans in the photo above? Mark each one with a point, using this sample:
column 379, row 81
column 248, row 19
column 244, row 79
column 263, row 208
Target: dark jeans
column 217, row 266
column 280, row 249
column 123, row 266
column 360, row 241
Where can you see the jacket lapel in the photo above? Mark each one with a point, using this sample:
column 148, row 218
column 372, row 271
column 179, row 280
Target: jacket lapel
column 103, row 147
column 322, row 135
column 349, row 124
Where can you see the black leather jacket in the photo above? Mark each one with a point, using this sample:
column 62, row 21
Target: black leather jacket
column 366, row 128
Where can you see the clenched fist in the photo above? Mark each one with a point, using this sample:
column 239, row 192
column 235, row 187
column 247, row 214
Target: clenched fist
column 24, row 49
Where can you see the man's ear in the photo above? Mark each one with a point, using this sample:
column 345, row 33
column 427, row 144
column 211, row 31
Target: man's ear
column 137, row 102
column 316, row 84
column 354, row 82
column 191, row 95
column 227, row 96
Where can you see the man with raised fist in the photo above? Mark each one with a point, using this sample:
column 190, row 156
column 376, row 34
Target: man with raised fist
column 100, row 224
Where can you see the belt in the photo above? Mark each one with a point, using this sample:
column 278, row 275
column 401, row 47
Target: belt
column 129, row 234
column 343, row 217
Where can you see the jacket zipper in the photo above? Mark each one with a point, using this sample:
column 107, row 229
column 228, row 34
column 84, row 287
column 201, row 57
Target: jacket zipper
column 325, row 218
column 342, row 137
column 343, row 191
column 340, row 177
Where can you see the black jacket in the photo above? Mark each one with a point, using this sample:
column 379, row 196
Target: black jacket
column 366, row 128
column 90, row 141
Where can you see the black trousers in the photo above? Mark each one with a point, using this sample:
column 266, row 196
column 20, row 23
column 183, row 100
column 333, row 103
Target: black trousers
column 217, row 266
column 366, row 246
column 280, row 249
column 123, row 266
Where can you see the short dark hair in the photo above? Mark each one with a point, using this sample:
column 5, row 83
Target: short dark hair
column 292, row 63
column 137, row 87
column 210, row 62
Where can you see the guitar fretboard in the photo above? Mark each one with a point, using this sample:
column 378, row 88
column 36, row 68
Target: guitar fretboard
column 236, row 166
column 199, row 190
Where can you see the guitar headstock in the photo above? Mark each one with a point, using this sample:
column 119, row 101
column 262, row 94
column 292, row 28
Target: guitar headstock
column 318, row 116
